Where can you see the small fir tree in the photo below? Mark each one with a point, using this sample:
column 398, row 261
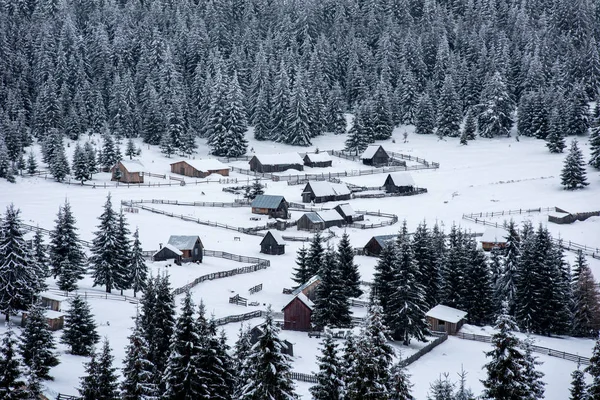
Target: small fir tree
column 348, row 269
column 32, row 165
column 130, row 150
column 330, row 379
column 400, row 386
column 425, row 116
column 59, row 165
column 573, row 175
column 314, row 258
column 301, row 274
column 534, row 386
column 37, row 343
column 138, row 270
column 595, row 146
column 11, row 383
column 555, row 138
column 578, row 388
column 331, row 306
column 100, row 381
column 594, row 370
column 92, row 163
column 256, row 189
column 106, row 253
column 138, row 370
column 441, row 389
column 80, row 329
column 80, row 164
column 240, row 357
column 358, row 137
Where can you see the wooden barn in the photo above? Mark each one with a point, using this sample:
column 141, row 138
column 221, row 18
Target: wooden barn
column 168, row 252
column 56, row 319
column 273, row 206
column 375, row 155
column 266, row 163
column 377, row 243
column 199, row 168
column 323, row 191
column 308, row 288
column 331, row 218
column 258, row 331
column 297, row 314
column 128, row 171
column 399, row 182
column 347, row 212
column 51, row 301
column 310, row 221
column 493, row 238
column 190, row 246
column 445, row 319
column 272, row 243
column 318, row 160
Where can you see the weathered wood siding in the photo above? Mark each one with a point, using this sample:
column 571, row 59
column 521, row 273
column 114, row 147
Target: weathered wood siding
column 256, row 166
column 296, row 316
column 183, row 168
column 126, row 176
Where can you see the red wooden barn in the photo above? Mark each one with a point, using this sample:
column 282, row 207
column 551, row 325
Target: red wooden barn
column 297, row 313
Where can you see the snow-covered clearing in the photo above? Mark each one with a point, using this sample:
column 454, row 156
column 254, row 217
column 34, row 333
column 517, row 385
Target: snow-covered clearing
column 486, row 175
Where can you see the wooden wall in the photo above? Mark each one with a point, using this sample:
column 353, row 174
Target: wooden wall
column 296, row 316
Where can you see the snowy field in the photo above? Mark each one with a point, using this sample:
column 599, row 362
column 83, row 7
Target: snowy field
column 486, row 175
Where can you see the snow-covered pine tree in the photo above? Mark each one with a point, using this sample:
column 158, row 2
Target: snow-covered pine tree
column 234, row 143
column 166, row 146
column 240, row 360
column 261, row 117
column 470, row 128
column 92, row 163
column 106, row 255
column 100, row 383
column 137, row 381
column 534, row 386
column 298, row 119
column 595, row 145
column 400, row 386
column 130, row 150
column 578, row 388
column 573, row 175
column 357, row 140
column 462, row 391
column 331, row 306
column 477, row 300
column 314, row 257
column 330, row 378
column 336, row 121
column 409, row 97
column 34, row 384
column 32, row 165
column 425, row 116
column 383, row 280
column 269, row 374
column 37, row 342
column 90, row 387
column 506, row 286
column 577, row 112
column 123, row 273
column 59, row 165
column 80, row 164
column 11, row 383
column 540, row 115
column 110, row 153
column 138, row 270
column 495, row 108
column 555, row 138
column 449, row 112
column 19, row 282
column 586, row 304
column 80, row 328
column 301, row 274
column 429, row 275
column 454, row 271
column 348, row 269
column 280, row 105
column 441, row 389
column 39, row 254
column 594, row 370
column 382, row 122
column 256, row 189
column 162, row 321
column 580, row 264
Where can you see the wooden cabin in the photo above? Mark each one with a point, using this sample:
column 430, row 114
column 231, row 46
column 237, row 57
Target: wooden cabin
column 347, row 212
column 273, row 206
column 297, row 314
column 323, row 191
column 375, row 155
column 128, row 171
column 199, row 168
column 310, row 221
column 399, row 182
column 266, row 163
column 493, row 238
column 51, row 301
column 56, row 319
column 331, row 218
column 318, row 160
column 445, row 319
column 308, row 288
column 190, row 246
column 272, row 243
column 377, row 243
column 256, row 332
column 168, row 252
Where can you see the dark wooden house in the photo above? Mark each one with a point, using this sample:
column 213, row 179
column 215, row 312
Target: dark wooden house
column 318, row 160
column 266, row 163
column 272, row 244
column 199, row 168
column 323, row 191
column 297, row 314
column 308, row 288
column 190, row 246
column 399, row 182
column 445, row 319
column 347, row 212
column 311, row 221
column 375, row 155
column 258, row 331
column 273, row 206
column 377, row 243
column 493, row 238
column 168, row 252
column 128, row 171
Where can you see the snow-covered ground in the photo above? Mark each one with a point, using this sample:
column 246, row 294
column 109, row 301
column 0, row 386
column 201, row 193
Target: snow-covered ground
column 486, row 175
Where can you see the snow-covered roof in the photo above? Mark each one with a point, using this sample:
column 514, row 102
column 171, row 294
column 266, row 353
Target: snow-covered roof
column 494, row 235
column 182, row 242
column 324, row 188
column 370, row 151
column 53, row 314
column 330, row 215
column 306, row 284
column 402, row 179
column 52, row 296
column 346, row 209
column 133, row 165
column 384, row 239
column 313, row 217
column 279, row 159
column 172, row 248
column 307, row 302
column 445, row 313
column 319, row 157
column 277, row 236
column 206, row 165
column 267, row 201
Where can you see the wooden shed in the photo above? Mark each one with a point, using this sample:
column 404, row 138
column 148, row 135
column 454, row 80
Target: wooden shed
column 493, row 238
column 310, row 221
column 309, row 287
column 399, row 182
column 377, row 243
column 266, row 163
column 273, row 206
column 331, row 218
column 190, row 246
column 56, row 319
column 297, row 314
column 318, row 160
column 199, row 168
column 168, row 252
column 128, row 171
column 375, row 155
column 272, row 243
column 445, row 319
column 348, row 213
column 323, row 191
column 51, row 301
column 258, row 331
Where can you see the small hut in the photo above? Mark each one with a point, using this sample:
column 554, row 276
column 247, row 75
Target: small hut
column 56, row 319
column 128, row 171
column 375, row 155
column 377, row 243
column 273, row 206
column 323, row 191
column 311, row 221
column 399, row 182
column 318, row 160
column 297, row 313
column 272, row 243
column 331, row 218
column 493, row 238
column 51, row 301
column 199, row 168
column 347, row 212
column 309, row 287
column 168, row 252
column 190, row 246
column 266, row 163
column 445, row 319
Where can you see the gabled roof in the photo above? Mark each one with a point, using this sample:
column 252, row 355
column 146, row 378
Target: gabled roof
column 305, row 300
column 279, row 159
column 183, row 242
column 346, row 209
column 382, row 240
column 132, row 165
column 276, row 235
column 306, row 284
column 370, row 151
column 170, row 247
column 313, row 217
column 445, row 313
column 52, row 296
column 402, row 179
column 206, row 165
column 267, row 201
column 494, row 235
column 324, row 188
column 330, row 215
column 322, row 156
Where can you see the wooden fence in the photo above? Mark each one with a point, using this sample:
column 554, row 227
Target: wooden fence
column 244, row 317
column 66, row 397
column 238, row 300
column 32, row 228
column 414, row 192
column 255, row 289
column 96, row 295
column 433, row 344
column 218, row 275
column 112, row 184
column 298, row 376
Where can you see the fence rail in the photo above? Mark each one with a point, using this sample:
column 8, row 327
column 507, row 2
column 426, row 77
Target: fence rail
column 433, row 344
column 96, row 295
column 32, row 228
column 298, row 376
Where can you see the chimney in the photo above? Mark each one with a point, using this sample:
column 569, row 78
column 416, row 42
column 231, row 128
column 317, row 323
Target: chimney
column 160, row 246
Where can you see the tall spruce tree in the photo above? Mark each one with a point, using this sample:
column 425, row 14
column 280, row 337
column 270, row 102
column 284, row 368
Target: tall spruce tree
column 573, row 172
column 80, row 329
column 425, row 116
column 595, row 146
column 11, row 383
column 331, row 306
column 348, row 269
column 534, row 386
column 240, row 358
column 449, row 112
column 80, row 164
column 90, row 155
column 358, row 137
column 232, row 142
column 383, row 280
column 37, row 343
column 59, row 165
column 159, row 325
column 495, row 108
column 137, row 381
column 298, row 118
column 556, row 137
column 123, row 275
column 594, row 370
column 314, row 257
column 477, row 300
column 578, row 388
column 138, row 270
column 39, row 254
column 100, row 381
column 586, row 304
column 429, row 275
column 301, row 274
column 330, row 378
column 400, row 386
column 106, row 253
column 32, row 165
